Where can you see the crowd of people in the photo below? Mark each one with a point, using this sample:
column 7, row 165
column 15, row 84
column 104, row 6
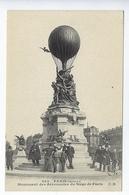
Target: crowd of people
column 106, row 158
column 55, row 157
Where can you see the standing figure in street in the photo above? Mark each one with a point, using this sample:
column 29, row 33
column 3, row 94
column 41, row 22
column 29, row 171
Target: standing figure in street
column 114, row 159
column 49, row 159
column 70, row 155
column 34, row 154
column 9, row 158
column 63, row 157
column 57, row 156
column 98, row 157
column 106, row 159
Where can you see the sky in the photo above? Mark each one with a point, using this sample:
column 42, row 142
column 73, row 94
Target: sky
column 97, row 68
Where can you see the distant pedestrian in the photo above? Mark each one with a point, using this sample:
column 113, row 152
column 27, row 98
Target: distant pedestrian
column 106, row 159
column 57, row 156
column 63, row 157
column 49, row 159
column 53, row 158
column 9, row 158
column 98, row 157
column 114, row 161
column 70, row 155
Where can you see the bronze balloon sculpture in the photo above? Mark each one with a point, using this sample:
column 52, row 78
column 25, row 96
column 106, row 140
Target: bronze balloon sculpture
column 64, row 43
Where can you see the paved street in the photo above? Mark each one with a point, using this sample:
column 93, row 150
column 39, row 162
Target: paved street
column 25, row 177
column 84, row 180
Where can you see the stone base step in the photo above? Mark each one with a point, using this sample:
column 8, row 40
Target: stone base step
column 30, row 167
column 76, row 169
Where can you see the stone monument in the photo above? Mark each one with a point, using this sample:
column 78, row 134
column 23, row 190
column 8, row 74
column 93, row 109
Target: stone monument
column 64, row 115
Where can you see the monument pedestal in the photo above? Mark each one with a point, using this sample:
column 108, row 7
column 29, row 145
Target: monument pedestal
column 20, row 158
column 81, row 158
column 65, row 118
column 70, row 120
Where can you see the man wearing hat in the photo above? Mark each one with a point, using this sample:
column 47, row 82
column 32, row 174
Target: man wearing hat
column 70, row 155
column 9, row 158
column 34, row 153
column 98, row 157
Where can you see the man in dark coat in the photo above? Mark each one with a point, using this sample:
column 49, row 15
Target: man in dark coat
column 70, row 155
column 34, row 154
column 63, row 157
column 63, row 160
column 9, row 158
column 114, row 159
column 106, row 159
column 98, row 157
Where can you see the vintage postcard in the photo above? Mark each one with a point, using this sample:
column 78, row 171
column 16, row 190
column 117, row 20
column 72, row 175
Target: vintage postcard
column 64, row 80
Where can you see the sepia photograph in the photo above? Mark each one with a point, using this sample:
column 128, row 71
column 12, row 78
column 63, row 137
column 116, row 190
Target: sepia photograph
column 64, row 100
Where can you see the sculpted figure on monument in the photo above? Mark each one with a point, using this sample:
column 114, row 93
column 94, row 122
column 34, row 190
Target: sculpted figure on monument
column 61, row 133
column 58, row 138
column 64, row 88
column 20, row 142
